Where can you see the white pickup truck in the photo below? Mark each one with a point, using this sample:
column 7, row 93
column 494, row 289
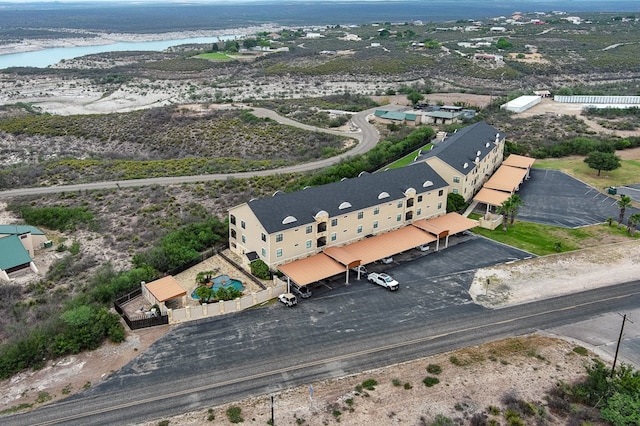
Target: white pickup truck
column 385, row 280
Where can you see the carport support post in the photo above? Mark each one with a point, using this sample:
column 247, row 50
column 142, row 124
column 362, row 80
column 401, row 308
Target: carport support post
column 288, row 284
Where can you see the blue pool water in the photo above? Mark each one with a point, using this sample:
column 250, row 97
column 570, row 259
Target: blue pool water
column 222, row 281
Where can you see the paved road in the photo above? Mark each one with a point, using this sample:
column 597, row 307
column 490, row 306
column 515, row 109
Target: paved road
column 338, row 331
column 367, row 137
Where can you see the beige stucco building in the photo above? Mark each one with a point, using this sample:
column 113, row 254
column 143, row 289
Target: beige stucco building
column 291, row 226
column 467, row 158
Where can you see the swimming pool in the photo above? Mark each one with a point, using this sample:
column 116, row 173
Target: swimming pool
column 222, row 281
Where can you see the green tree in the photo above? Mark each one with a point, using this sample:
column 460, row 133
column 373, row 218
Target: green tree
column 598, row 160
column 414, row 97
column 632, row 223
column 204, row 293
column 231, row 46
column 622, row 410
column 623, row 203
column 505, row 209
column 455, row 202
column 260, row 269
column 516, row 203
column 249, row 43
column 503, row 44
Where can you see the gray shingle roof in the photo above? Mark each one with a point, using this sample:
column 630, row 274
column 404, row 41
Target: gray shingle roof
column 361, row 192
column 462, row 147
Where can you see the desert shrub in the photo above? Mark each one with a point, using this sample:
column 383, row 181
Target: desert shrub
column 430, row 381
column 441, row 420
column 408, row 386
column 434, row 369
column 396, row 382
column 234, row 414
column 369, row 384
column 59, row 218
column 581, row 351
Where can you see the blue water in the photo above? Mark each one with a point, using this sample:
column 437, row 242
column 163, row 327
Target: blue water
column 158, row 18
column 222, row 281
column 46, row 57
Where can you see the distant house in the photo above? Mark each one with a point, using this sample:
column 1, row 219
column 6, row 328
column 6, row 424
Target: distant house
column 397, row 117
column 17, row 248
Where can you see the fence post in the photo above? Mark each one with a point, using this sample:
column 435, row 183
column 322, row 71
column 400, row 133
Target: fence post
column 170, row 315
column 187, row 312
column 205, row 310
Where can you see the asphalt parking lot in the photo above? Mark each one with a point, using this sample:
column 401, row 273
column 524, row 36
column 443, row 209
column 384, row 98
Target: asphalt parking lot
column 555, row 198
column 632, row 191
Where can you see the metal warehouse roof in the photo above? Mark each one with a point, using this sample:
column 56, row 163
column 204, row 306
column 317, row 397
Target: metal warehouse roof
column 12, row 252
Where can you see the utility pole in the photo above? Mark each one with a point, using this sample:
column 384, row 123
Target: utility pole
column 273, row 422
column 615, row 358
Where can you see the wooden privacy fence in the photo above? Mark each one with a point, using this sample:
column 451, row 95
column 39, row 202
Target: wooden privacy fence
column 191, row 313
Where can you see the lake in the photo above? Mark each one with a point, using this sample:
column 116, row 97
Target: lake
column 44, row 58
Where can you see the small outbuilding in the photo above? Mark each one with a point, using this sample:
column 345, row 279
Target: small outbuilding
column 521, row 104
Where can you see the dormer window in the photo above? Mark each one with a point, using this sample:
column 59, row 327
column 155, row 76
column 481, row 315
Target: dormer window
column 478, row 154
column 382, row 195
column 427, row 183
column 466, row 165
column 344, row 205
column 289, row 219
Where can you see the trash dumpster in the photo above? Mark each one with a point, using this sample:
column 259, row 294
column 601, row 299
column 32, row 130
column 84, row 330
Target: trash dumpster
column 613, row 190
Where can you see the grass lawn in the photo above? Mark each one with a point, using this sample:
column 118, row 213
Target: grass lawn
column 408, row 159
column 544, row 239
column 629, row 173
column 216, row 56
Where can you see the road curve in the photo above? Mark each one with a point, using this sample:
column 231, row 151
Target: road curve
column 367, row 136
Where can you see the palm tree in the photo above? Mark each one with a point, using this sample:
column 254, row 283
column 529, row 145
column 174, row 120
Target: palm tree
column 633, row 221
column 505, row 210
column 623, row 203
column 516, row 203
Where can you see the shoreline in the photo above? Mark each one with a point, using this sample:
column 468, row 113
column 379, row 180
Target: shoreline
column 81, row 38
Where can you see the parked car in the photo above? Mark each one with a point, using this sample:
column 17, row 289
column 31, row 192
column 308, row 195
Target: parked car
column 302, row 291
column 384, row 280
column 423, row 247
column 362, row 269
column 288, row 299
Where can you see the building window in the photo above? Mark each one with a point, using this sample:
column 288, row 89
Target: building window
column 360, row 215
column 333, row 236
column 243, row 225
column 359, row 229
column 309, row 229
column 308, row 244
column 232, row 219
column 244, row 239
column 376, row 210
column 439, row 206
column 440, row 193
column 264, row 252
column 455, row 190
column 233, row 234
column 399, row 204
column 279, row 253
column 419, row 198
column 279, row 238
column 418, row 212
column 398, row 218
column 375, row 225
column 334, row 222
column 456, row 179
column 263, row 237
